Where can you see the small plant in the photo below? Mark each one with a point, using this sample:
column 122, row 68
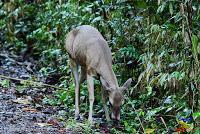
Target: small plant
column 5, row 83
column 60, row 97
column 77, row 127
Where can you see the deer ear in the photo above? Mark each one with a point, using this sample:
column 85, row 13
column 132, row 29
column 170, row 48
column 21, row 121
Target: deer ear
column 127, row 83
column 105, row 84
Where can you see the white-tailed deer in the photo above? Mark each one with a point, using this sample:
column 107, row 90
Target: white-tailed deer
column 88, row 49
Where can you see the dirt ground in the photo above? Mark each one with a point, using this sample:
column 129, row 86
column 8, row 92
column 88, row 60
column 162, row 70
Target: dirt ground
column 24, row 118
column 22, row 111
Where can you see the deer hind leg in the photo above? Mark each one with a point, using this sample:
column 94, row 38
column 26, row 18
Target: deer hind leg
column 90, row 82
column 74, row 67
column 82, row 75
column 103, row 96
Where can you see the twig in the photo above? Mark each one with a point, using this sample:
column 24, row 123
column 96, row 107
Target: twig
column 166, row 116
column 164, row 123
column 29, row 81
column 193, row 100
column 186, row 93
column 139, row 120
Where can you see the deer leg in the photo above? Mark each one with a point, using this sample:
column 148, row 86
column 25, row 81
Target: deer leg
column 90, row 83
column 103, row 96
column 74, row 68
column 82, row 75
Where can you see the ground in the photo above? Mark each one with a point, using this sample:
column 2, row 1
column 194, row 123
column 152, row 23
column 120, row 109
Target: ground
column 22, row 110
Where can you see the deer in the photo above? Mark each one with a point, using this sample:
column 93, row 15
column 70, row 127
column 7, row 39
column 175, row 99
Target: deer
column 89, row 52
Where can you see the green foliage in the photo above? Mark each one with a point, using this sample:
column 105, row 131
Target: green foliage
column 5, row 83
column 61, row 97
column 79, row 127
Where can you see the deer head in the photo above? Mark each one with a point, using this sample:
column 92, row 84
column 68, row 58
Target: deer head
column 116, row 96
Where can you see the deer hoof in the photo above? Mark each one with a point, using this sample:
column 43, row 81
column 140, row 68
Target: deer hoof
column 77, row 117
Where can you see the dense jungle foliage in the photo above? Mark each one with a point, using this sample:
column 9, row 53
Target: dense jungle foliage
column 155, row 42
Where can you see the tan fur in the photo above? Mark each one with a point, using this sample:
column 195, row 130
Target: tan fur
column 87, row 48
column 83, row 44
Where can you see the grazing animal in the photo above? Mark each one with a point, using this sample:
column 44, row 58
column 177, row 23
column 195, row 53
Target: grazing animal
column 88, row 49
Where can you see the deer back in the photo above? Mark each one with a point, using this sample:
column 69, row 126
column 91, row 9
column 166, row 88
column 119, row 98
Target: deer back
column 87, row 47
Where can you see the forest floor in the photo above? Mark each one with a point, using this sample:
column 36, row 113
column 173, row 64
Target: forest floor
column 22, row 111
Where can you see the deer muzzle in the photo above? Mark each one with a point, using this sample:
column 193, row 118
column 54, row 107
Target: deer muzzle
column 115, row 113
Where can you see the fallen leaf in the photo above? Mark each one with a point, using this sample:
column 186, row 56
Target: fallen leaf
column 29, row 109
column 43, row 124
column 149, row 131
column 53, row 122
column 175, row 133
column 21, row 101
column 183, row 124
column 180, row 129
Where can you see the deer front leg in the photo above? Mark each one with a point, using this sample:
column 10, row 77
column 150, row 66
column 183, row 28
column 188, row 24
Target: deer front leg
column 90, row 83
column 74, row 68
column 103, row 96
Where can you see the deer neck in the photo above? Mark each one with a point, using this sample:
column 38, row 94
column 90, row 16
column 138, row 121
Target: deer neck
column 108, row 75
